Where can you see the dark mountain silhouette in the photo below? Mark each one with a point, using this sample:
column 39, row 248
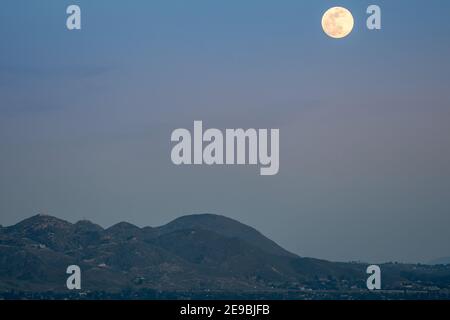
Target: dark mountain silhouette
column 124, row 231
column 443, row 260
column 198, row 253
column 226, row 227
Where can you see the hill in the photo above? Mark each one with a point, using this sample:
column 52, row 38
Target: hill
column 193, row 255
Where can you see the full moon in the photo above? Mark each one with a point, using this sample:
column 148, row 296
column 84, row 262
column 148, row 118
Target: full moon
column 337, row 22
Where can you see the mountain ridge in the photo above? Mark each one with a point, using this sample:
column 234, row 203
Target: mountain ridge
column 195, row 253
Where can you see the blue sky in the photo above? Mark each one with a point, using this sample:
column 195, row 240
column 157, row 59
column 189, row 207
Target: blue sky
column 86, row 117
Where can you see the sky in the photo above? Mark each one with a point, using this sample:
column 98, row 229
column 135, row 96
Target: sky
column 86, row 118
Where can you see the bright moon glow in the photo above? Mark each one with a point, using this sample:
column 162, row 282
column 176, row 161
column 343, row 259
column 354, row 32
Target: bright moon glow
column 337, row 22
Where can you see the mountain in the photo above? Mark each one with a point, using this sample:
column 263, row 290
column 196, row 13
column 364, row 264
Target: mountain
column 444, row 260
column 226, row 227
column 191, row 256
column 124, row 231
